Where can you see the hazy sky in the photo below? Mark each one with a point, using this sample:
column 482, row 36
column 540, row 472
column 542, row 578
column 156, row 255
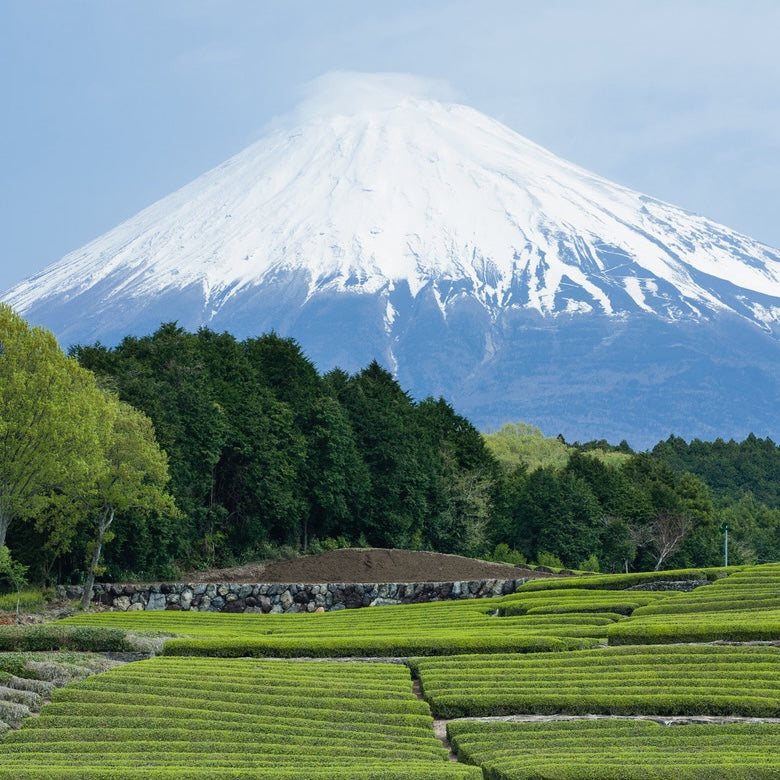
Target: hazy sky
column 108, row 105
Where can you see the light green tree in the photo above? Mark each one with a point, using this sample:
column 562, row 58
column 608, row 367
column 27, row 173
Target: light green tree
column 516, row 444
column 133, row 475
column 49, row 423
column 14, row 573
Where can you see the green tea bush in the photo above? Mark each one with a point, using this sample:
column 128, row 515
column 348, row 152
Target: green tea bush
column 743, row 626
column 414, row 629
column 57, row 636
column 365, row 646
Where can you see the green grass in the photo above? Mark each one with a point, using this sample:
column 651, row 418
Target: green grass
column 28, row 600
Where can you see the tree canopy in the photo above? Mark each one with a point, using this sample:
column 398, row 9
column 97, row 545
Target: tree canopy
column 196, row 449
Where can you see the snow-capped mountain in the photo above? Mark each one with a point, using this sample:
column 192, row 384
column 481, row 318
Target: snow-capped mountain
column 469, row 260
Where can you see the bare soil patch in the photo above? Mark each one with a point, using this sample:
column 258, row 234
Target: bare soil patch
column 371, row 564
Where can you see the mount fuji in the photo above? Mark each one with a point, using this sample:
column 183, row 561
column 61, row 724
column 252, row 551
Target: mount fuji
column 465, row 258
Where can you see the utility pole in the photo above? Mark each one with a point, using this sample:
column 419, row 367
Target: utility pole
column 724, row 529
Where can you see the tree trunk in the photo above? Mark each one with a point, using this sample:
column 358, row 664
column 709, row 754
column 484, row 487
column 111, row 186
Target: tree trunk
column 5, row 521
column 103, row 526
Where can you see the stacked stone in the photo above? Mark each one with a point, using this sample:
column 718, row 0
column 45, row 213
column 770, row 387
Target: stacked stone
column 286, row 598
column 685, row 586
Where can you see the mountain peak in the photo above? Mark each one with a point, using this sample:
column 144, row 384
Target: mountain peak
column 371, row 183
column 374, row 206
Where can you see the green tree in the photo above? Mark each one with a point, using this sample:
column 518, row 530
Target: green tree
column 49, row 425
column 754, row 530
column 516, row 444
column 13, row 573
column 674, row 524
column 133, row 475
column 389, row 440
column 461, row 474
column 556, row 512
column 167, row 376
column 339, row 478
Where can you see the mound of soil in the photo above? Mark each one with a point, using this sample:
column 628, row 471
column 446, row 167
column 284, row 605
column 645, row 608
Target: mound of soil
column 368, row 565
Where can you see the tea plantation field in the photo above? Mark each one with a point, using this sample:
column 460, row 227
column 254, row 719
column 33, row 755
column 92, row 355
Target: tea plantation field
column 574, row 661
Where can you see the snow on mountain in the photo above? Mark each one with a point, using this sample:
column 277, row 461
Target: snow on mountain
column 397, row 214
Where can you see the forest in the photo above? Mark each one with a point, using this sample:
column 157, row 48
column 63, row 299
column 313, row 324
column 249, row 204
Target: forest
column 181, row 451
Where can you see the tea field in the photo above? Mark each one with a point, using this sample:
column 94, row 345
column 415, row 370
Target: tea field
column 548, row 682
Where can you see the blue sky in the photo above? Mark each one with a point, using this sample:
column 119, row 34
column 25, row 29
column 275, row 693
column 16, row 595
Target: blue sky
column 108, row 105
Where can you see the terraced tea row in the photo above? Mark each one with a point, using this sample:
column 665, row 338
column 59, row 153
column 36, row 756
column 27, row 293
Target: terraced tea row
column 626, row 581
column 618, row 750
column 27, row 680
column 416, row 629
column 663, row 680
column 742, row 607
column 543, row 615
column 574, row 600
column 207, row 717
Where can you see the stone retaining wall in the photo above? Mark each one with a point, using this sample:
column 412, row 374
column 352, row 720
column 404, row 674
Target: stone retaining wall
column 686, row 586
column 277, row 598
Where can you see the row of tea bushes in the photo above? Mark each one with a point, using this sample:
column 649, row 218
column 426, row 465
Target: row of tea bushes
column 414, row 629
column 618, row 750
column 572, row 600
column 170, row 717
column 60, row 636
column 640, row 579
column 544, row 615
column 751, row 588
column 743, row 607
column 662, row 680
column 27, row 680
column 743, row 626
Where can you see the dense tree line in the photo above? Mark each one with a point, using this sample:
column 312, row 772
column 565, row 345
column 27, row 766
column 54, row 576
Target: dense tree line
column 266, row 454
column 744, row 478
column 265, row 451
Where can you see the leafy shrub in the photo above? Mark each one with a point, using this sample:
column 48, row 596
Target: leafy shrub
column 549, row 560
column 503, row 553
column 591, row 563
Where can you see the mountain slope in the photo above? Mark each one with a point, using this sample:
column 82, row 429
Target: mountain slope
column 469, row 260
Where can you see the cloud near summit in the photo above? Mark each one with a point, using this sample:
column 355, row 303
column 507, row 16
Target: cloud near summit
column 346, row 92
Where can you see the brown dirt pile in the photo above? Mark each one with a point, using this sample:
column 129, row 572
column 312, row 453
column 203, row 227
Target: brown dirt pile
column 367, row 565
